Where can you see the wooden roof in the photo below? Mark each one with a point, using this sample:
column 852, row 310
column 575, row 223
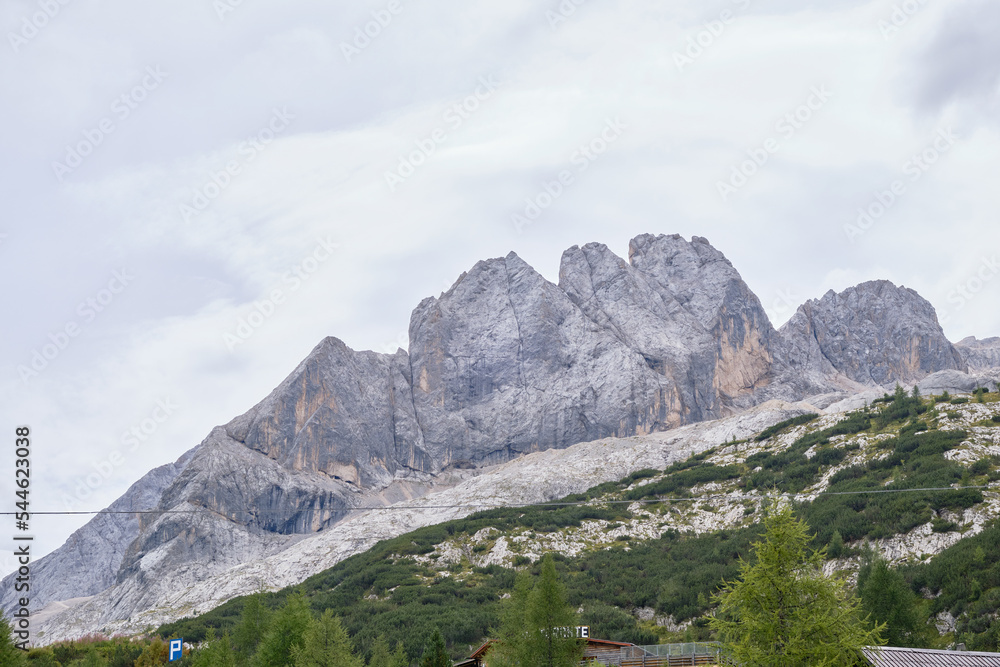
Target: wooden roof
column 890, row 656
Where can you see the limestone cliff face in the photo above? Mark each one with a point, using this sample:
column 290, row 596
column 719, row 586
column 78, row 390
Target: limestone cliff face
column 502, row 364
column 873, row 333
column 980, row 355
column 684, row 308
column 359, row 400
column 505, row 363
column 90, row 560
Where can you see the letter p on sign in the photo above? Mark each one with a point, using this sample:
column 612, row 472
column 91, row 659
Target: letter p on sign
column 176, row 649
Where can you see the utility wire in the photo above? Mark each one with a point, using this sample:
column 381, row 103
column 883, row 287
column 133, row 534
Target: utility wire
column 498, row 505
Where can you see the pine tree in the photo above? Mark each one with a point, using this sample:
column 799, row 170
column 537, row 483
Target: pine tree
column 783, row 611
column 887, row 599
column 91, row 659
column 287, row 631
column 9, row 654
column 326, row 644
column 509, row 648
column 156, row 653
column 381, row 657
column 215, row 652
column 435, row 654
column 551, row 639
column 254, row 622
column 836, row 548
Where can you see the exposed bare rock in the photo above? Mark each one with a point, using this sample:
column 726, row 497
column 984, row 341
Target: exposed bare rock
column 90, row 560
column 503, row 364
column 874, row 333
column 538, row 477
column 980, row 354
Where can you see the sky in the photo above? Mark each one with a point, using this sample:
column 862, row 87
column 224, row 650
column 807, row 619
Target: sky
column 195, row 193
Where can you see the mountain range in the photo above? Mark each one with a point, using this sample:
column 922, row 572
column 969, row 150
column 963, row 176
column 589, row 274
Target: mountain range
column 502, row 365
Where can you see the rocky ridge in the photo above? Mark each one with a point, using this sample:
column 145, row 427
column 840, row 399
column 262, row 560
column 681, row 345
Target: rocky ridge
column 537, row 477
column 503, row 364
column 980, row 354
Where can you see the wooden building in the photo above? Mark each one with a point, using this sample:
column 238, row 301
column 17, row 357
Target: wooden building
column 889, row 656
column 624, row 654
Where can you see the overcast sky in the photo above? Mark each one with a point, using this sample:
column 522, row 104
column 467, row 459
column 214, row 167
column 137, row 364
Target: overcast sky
column 170, row 168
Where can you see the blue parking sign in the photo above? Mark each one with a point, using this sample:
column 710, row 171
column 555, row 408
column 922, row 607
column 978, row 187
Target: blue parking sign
column 176, row 649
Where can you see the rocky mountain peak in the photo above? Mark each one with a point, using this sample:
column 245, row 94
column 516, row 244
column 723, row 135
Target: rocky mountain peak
column 504, row 363
column 980, row 354
column 873, row 333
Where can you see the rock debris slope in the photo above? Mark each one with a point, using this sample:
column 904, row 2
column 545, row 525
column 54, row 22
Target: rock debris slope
column 503, row 364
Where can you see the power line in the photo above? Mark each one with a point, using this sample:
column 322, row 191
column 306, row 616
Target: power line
column 576, row 503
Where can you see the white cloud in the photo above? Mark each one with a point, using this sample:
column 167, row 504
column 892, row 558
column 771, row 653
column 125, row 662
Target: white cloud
column 325, row 177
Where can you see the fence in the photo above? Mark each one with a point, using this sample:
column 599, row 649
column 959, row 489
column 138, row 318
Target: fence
column 671, row 655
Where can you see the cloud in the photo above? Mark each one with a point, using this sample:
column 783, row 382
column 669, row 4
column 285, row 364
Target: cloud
column 962, row 61
column 323, row 177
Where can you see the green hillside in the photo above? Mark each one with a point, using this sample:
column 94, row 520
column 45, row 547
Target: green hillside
column 642, row 557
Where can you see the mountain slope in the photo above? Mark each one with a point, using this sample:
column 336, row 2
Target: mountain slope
column 503, row 364
column 642, row 555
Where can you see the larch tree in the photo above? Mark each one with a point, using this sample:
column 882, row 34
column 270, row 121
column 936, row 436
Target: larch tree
column 784, row 612
column 326, row 644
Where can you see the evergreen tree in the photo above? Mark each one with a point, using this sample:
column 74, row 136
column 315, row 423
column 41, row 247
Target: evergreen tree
column 326, row 644
column 91, row 659
column 887, row 599
column 552, row 622
column 509, row 648
column 381, row 657
column 783, row 612
column 435, row 654
column 254, row 622
column 9, row 653
column 45, row 658
column 215, row 652
column 286, row 632
column 156, row 653
column 836, row 548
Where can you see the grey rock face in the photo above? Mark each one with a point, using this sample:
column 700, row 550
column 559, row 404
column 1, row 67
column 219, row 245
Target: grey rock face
column 686, row 310
column 91, row 558
column 980, row 354
column 505, row 363
column 874, row 333
column 956, row 382
column 358, row 401
column 502, row 364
